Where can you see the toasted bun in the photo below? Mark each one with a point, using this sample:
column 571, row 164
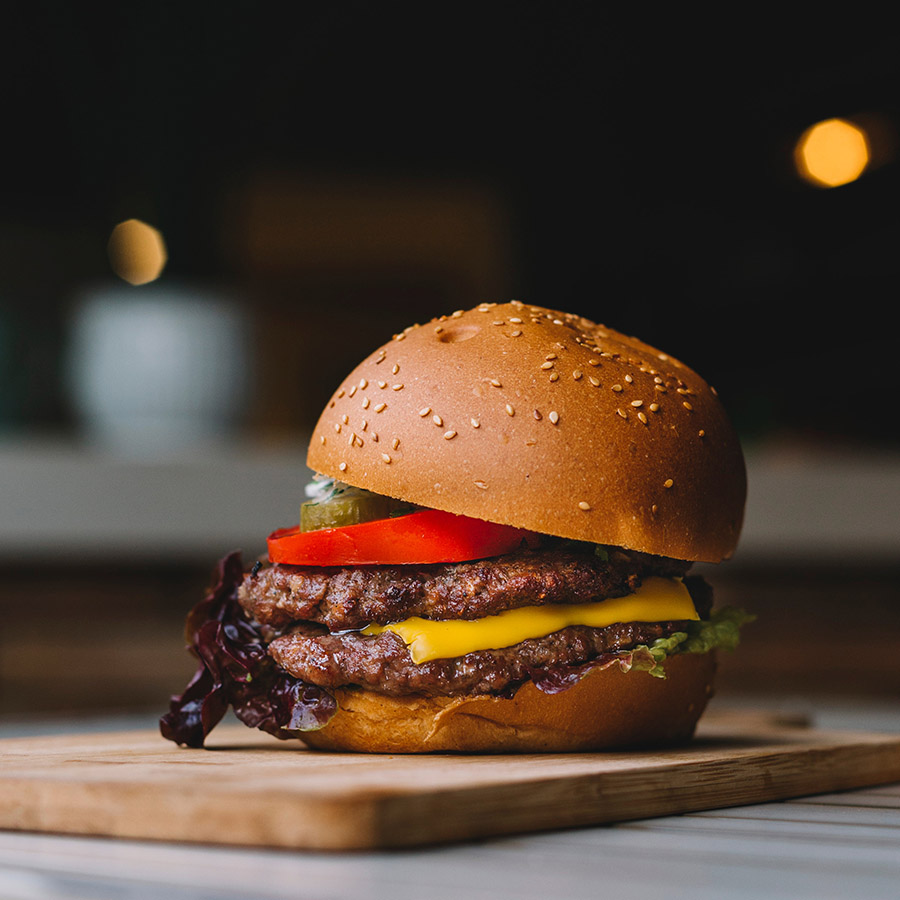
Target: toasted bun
column 607, row 709
column 542, row 420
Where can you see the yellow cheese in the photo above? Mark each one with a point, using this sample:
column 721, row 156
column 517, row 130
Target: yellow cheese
column 657, row 600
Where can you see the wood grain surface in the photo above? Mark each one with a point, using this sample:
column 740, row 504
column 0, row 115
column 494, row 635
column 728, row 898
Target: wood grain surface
column 248, row 789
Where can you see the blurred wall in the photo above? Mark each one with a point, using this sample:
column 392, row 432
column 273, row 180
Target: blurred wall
column 339, row 160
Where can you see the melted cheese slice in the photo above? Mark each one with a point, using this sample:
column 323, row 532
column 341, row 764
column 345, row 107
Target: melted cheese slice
column 656, row 600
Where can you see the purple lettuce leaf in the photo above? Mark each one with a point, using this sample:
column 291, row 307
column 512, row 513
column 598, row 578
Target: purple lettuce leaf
column 235, row 670
column 556, row 679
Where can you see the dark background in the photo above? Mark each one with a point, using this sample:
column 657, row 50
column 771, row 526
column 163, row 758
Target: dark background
column 350, row 168
column 641, row 163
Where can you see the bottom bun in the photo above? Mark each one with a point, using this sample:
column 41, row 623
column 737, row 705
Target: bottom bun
column 607, row 709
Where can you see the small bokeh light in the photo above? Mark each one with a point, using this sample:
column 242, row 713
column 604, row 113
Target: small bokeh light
column 137, row 252
column 832, row 153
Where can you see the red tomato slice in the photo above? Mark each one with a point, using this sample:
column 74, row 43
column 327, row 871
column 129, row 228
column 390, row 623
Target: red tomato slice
column 425, row 536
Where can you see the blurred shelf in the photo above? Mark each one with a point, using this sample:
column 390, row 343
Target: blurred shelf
column 83, row 503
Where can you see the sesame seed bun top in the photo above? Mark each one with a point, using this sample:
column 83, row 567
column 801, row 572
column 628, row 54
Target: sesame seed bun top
column 542, row 420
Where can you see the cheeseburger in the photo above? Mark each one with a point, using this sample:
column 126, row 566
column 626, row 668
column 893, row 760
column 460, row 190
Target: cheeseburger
column 495, row 552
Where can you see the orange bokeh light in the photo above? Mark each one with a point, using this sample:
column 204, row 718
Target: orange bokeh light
column 832, row 152
column 137, row 252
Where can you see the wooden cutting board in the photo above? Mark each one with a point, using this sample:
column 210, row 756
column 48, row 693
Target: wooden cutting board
column 249, row 789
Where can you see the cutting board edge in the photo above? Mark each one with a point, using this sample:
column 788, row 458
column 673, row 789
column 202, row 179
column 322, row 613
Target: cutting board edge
column 378, row 818
column 863, row 765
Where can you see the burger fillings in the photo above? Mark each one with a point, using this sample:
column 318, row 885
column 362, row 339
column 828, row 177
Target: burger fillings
column 496, row 555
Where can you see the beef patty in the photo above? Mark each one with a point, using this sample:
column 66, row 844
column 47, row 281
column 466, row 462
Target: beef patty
column 353, row 597
column 383, row 663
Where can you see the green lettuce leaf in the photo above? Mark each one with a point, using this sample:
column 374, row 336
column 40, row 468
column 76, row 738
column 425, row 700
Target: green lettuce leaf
column 720, row 632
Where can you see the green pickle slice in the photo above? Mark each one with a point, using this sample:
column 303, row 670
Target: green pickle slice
column 336, row 504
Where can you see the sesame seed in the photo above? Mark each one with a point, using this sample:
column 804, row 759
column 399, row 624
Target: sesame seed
column 594, row 381
column 593, row 362
column 439, row 329
column 637, row 402
column 509, row 410
column 475, row 423
column 583, row 504
column 498, row 323
column 554, row 376
column 622, row 413
column 437, row 420
column 553, row 416
column 668, row 483
column 658, row 380
column 322, row 439
column 496, row 383
column 395, row 369
column 375, row 436
column 654, row 407
column 395, row 443
column 381, row 407
column 352, row 391
column 345, row 420
column 343, row 467
column 382, row 384
column 424, row 411
column 557, row 321
column 337, row 428
column 643, row 417
column 366, row 403
column 341, row 393
column 687, row 405
column 537, row 415
column 399, row 337
column 515, row 333
column 547, row 365
column 551, row 356
column 386, row 457
column 629, row 379
column 515, row 320
column 449, row 435
column 481, row 484
column 617, row 388
column 654, row 508
column 363, row 383
column 578, row 374
column 396, row 387
column 458, row 313
column 659, row 387
column 352, row 440
column 700, row 433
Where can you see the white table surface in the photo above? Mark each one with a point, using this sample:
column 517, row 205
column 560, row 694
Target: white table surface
column 828, row 846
